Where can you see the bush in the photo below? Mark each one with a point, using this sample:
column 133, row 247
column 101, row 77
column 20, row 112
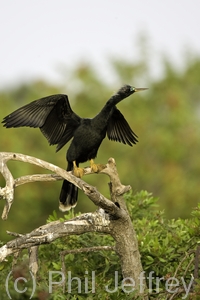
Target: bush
column 168, row 251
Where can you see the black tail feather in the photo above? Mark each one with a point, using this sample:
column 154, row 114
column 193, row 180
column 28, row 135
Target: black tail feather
column 68, row 194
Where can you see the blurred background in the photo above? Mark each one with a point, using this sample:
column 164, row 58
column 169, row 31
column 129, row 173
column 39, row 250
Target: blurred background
column 88, row 50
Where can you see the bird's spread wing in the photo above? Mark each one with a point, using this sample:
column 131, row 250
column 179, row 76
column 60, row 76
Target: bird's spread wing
column 52, row 114
column 119, row 130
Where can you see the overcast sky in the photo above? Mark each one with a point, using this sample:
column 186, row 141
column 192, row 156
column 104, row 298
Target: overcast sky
column 39, row 37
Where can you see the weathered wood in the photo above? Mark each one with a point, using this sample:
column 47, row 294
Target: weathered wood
column 112, row 217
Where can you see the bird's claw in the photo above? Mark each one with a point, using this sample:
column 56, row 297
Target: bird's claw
column 96, row 167
column 78, row 172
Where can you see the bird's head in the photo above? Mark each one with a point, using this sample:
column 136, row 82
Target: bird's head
column 128, row 90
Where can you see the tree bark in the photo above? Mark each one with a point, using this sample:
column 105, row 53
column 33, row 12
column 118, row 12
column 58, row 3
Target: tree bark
column 112, row 217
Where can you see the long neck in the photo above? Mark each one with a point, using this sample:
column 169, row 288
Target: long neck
column 104, row 115
column 114, row 100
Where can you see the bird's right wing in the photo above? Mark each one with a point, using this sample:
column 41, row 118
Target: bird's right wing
column 52, row 114
column 119, row 130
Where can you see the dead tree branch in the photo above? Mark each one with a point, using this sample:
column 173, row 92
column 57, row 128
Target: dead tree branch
column 111, row 218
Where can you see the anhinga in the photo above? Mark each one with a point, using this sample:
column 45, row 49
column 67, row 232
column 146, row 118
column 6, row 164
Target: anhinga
column 58, row 123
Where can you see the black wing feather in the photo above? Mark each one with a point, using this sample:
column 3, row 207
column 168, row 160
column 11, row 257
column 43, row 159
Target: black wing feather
column 52, row 114
column 119, row 130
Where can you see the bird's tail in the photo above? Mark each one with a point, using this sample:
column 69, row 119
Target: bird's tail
column 68, row 194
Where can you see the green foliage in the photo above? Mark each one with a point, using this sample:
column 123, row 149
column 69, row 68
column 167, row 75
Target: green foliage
column 165, row 161
column 166, row 119
column 167, row 250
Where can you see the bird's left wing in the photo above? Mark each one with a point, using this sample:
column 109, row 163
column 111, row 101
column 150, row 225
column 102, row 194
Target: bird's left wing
column 119, row 130
column 52, row 114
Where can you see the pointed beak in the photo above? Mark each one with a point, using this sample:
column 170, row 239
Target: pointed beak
column 140, row 89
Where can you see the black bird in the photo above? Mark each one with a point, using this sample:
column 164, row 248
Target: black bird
column 58, row 123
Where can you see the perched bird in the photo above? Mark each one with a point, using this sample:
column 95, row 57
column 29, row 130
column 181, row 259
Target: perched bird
column 59, row 124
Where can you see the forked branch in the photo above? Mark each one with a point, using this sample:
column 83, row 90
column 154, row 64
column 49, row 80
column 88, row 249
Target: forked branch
column 111, row 218
column 7, row 193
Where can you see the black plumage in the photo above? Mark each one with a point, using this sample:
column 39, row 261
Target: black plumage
column 58, row 123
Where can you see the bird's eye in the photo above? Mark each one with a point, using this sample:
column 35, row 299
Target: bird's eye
column 132, row 89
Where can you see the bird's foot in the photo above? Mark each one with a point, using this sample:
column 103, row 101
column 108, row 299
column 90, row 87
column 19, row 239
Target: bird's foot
column 96, row 167
column 78, row 172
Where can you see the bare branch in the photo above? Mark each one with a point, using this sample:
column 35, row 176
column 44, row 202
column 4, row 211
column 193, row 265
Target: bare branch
column 33, row 260
column 89, row 222
column 111, row 218
column 7, row 192
column 36, row 178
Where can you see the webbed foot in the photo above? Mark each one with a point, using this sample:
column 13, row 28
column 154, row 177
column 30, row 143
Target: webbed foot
column 78, row 172
column 96, row 167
